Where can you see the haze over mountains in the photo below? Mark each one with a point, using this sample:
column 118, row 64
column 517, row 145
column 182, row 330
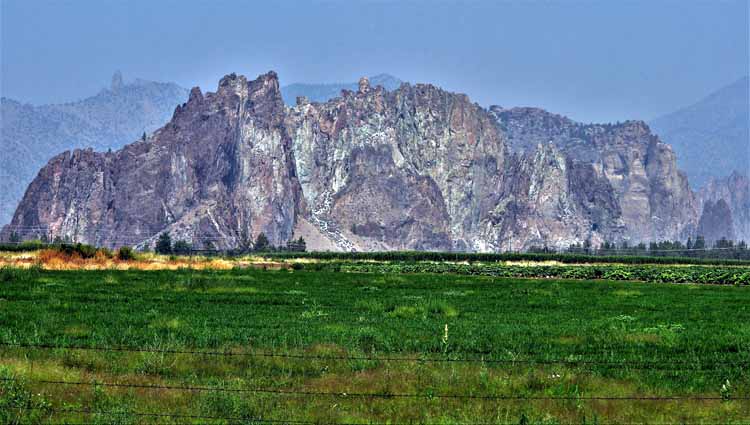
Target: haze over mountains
column 324, row 92
column 711, row 136
column 31, row 135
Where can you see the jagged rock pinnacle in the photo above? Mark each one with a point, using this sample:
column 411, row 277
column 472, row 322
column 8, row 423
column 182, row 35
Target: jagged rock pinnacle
column 117, row 81
column 364, row 85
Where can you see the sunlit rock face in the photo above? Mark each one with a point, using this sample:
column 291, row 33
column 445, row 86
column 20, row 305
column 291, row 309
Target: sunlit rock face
column 413, row 168
column 652, row 197
column 221, row 168
column 416, row 168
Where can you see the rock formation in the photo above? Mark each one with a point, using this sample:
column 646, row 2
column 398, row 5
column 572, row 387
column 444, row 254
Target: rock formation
column 716, row 222
column 31, row 135
column 734, row 191
column 653, row 197
column 412, row 168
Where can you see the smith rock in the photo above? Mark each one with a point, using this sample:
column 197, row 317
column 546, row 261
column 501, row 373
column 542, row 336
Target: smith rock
column 413, row 168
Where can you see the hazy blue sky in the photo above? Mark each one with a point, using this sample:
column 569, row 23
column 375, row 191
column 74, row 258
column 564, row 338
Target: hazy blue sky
column 601, row 60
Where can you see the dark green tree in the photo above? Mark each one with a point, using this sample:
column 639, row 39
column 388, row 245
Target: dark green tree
column 724, row 243
column 298, row 245
column 14, row 238
column 261, row 243
column 301, row 244
column 164, row 244
column 181, row 247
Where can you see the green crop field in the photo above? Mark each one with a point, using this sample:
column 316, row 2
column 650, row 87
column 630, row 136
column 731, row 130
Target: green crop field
column 345, row 343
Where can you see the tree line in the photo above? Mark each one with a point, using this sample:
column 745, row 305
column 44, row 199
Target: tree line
column 693, row 248
column 164, row 245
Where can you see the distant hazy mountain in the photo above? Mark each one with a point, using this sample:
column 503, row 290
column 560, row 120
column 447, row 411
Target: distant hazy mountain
column 710, row 137
column 324, row 92
column 31, row 135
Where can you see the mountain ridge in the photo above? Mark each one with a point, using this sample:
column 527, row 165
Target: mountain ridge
column 412, row 168
column 712, row 135
column 31, row 134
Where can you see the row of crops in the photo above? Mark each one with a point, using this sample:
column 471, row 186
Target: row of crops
column 646, row 273
column 408, row 256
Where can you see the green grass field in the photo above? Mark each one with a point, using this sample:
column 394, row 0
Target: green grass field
column 317, row 346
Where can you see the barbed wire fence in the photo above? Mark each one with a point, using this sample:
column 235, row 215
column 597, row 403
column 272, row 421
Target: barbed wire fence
column 671, row 365
column 346, row 394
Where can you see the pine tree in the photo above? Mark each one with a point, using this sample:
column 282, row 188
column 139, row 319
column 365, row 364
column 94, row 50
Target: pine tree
column 164, row 244
column 181, row 247
column 301, row 244
column 261, row 242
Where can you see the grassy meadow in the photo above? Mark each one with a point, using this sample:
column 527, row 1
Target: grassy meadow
column 361, row 345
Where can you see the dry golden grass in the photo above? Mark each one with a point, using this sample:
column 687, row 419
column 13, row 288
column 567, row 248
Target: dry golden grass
column 50, row 259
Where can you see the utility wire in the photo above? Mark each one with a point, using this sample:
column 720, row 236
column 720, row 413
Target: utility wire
column 344, row 394
column 640, row 364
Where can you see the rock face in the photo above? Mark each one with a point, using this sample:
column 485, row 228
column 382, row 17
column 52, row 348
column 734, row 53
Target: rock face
column 413, row 168
column 734, row 192
column 31, row 135
column 716, row 221
column 221, row 167
column 639, row 184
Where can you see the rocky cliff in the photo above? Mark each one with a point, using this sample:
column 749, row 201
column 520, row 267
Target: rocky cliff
column 634, row 168
column 734, row 192
column 412, row 168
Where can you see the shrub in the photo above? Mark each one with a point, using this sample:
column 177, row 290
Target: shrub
column 261, row 243
column 126, row 253
column 79, row 249
column 181, row 247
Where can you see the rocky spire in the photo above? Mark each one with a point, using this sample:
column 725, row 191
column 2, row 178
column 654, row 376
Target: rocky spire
column 117, row 81
column 364, row 85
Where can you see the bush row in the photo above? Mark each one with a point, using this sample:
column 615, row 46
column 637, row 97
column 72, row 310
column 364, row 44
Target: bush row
column 645, row 273
column 72, row 249
column 406, row 256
